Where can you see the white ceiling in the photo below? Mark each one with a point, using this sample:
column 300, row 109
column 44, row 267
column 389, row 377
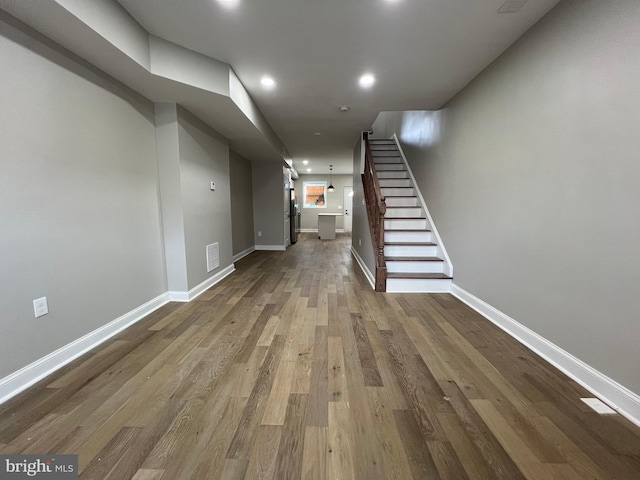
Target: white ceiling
column 422, row 53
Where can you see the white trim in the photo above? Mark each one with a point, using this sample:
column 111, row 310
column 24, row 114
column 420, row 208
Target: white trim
column 315, row 230
column 449, row 264
column 20, row 380
column 244, row 253
column 177, row 296
column 363, row 267
column 618, row 397
column 277, row 248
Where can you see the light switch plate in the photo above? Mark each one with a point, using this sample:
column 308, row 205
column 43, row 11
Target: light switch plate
column 40, row 307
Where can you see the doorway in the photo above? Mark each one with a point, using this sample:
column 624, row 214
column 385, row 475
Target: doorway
column 348, row 207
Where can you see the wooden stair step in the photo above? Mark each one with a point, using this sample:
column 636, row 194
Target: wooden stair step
column 413, row 259
column 411, row 244
column 411, row 275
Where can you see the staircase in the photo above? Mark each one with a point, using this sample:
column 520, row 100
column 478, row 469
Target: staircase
column 413, row 257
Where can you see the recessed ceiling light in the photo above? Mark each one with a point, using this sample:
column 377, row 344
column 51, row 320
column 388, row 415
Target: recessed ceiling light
column 344, row 108
column 305, row 162
column 268, row 82
column 317, row 134
column 367, row 80
column 308, row 169
column 229, row 3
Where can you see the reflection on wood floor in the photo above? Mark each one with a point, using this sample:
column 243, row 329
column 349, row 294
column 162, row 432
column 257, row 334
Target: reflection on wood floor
column 293, row 367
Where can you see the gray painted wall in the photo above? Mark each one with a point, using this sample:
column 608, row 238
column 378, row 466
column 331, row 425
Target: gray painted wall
column 335, row 204
column 204, row 157
column 532, row 177
column 241, row 202
column 79, row 208
column 268, row 203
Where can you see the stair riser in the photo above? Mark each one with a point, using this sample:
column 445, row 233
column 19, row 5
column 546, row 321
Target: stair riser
column 408, row 237
column 401, row 201
column 415, row 267
column 394, row 182
column 418, row 285
column 386, row 152
column 387, row 159
column 386, row 167
column 392, row 174
column 409, row 251
column 397, row 192
column 408, row 212
column 383, row 147
column 408, row 224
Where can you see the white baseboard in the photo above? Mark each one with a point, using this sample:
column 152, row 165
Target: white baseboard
column 363, row 267
column 276, row 248
column 315, row 230
column 176, row 296
column 20, row 380
column 618, row 397
column 244, row 253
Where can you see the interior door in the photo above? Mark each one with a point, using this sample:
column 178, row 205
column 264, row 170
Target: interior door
column 348, row 206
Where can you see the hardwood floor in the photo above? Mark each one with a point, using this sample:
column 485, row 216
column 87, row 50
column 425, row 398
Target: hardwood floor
column 293, row 368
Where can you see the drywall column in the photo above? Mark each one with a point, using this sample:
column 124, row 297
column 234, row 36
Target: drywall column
column 167, row 144
column 241, row 204
column 190, row 156
column 267, row 206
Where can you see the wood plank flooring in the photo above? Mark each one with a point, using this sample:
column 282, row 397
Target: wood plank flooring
column 292, row 368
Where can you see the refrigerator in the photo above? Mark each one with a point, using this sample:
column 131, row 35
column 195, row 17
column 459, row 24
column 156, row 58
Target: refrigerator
column 294, row 216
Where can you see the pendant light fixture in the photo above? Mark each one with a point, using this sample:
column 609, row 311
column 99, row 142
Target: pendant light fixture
column 331, row 187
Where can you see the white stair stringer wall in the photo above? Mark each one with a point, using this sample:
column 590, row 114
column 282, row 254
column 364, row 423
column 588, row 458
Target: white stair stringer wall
column 441, row 250
column 415, row 258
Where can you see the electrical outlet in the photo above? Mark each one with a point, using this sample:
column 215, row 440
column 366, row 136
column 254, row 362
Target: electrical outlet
column 213, row 186
column 359, row 242
column 40, row 307
column 259, row 233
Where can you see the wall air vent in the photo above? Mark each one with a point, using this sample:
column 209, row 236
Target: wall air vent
column 213, row 256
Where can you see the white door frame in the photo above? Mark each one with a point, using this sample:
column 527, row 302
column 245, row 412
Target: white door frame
column 347, row 208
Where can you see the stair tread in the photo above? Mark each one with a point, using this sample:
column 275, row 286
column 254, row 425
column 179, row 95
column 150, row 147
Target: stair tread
column 405, row 218
column 412, row 230
column 402, row 206
column 418, row 275
column 411, row 244
column 413, row 259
